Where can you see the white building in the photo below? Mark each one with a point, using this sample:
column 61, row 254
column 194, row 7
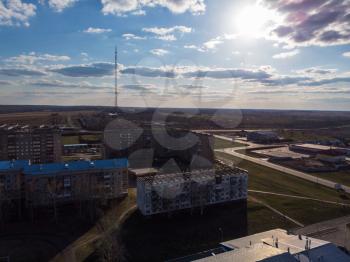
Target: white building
column 170, row 192
column 278, row 245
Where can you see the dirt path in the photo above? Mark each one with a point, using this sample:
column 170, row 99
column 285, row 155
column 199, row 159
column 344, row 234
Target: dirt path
column 118, row 216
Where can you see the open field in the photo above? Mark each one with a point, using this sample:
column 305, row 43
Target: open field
column 266, row 179
column 68, row 118
column 221, row 143
column 162, row 238
column 305, row 211
column 342, row 177
column 74, row 139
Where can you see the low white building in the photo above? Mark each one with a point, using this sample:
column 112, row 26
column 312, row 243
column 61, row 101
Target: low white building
column 278, row 245
column 199, row 188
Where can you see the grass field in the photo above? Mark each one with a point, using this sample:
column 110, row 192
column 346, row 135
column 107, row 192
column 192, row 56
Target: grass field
column 222, row 143
column 159, row 238
column 342, row 177
column 66, row 140
column 266, row 179
column 305, row 211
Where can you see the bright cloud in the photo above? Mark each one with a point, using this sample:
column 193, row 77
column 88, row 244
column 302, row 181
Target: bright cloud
column 16, row 13
column 132, row 37
column 119, row 7
column 167, row 33
column 94, row 30
column 286, row 54
column 159, row 52
column 60, row 5
column 346, row 54
column 33, row 57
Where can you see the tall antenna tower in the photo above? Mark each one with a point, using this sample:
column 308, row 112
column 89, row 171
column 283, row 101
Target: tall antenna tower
column 116, row 77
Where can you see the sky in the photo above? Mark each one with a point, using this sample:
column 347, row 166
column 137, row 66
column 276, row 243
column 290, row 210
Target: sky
column 263, row 54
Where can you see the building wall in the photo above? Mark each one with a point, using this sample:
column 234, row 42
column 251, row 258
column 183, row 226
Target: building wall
column 10, row 185
column 39, row 145
column 147, row 148
column 65, row 187
column 170, row 192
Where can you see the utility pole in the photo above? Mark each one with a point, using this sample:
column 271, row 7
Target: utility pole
column 116, row 77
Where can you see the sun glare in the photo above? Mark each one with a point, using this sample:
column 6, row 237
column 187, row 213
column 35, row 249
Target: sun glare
column 252, row 20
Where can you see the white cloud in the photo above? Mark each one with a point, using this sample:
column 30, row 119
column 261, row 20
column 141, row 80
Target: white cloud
column 346, row 54
column 93, row 30
column 139, row 12
column 167, row 30
column 16, row 13
column 286, row 54
column 213, row 43
column 167, row 38
column 167, row 33
column 132, row 37
column 159, row 52
column 32, row 58
column 120, row 7
column 60, row 5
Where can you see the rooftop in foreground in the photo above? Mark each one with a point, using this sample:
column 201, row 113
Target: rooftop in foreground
column 277, row 245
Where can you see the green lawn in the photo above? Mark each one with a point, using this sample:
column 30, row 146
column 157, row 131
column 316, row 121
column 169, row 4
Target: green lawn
column 222, row 143
column 159, row 238
column 267, row 179
column 66, row 140
column 305, row 211
column 342, row 177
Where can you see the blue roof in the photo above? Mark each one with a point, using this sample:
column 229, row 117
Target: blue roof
column 325, row 253
column 52, row 169
column 13, row 165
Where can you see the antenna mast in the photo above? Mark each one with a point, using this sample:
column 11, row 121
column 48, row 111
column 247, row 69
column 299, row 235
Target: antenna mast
column 116, row 77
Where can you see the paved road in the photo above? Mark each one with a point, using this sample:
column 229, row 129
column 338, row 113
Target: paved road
column 300, row 197
column 321, row 181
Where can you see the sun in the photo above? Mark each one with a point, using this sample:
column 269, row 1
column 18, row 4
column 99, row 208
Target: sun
column 252, row 21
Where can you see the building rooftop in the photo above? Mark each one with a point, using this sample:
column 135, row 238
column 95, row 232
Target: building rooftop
column 277, row 245
column 51, row 169
column 143, row 171
column 197, row 175
column 74, row 145
column 257, row 252
column 13, row 165
column 325, row 253
column 25, row 128
column 315, row 146
column 293, row 243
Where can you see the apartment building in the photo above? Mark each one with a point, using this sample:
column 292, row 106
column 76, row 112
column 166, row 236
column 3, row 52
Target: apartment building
column 75, row 181
column 199, row 188
column 154, row 146
column 11, row 179
column 37, row 144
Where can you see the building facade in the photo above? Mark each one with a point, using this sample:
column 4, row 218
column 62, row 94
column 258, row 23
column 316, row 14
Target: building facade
column 75, row 181
column 199, row 188
column 37, row 144
column 11, row 179
column 154, row 147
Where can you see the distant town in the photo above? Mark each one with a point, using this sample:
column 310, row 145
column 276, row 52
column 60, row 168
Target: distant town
column 102, row 177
